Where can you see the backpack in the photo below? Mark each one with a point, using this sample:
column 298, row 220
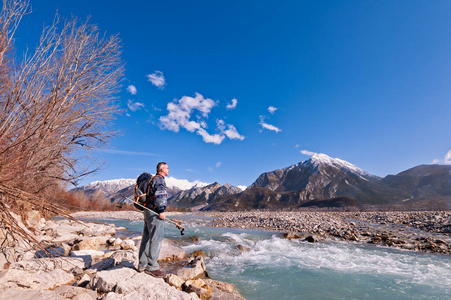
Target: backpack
column 141, row 194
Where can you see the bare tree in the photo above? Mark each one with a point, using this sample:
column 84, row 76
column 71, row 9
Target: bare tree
column 57, row 103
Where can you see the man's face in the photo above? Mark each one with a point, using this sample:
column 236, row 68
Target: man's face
column 165, row 170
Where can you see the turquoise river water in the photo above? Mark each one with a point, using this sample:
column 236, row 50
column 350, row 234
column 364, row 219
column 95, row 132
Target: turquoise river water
column 276, row 268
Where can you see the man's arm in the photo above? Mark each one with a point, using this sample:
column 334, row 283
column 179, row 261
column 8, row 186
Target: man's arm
column 161, row 196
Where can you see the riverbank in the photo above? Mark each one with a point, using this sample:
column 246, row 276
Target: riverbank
column 417, row 231
column 86, row 260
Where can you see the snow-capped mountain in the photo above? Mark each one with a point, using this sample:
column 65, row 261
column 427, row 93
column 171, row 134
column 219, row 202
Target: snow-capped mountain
column 115, row 188
column 319, row 175
column 319, row 178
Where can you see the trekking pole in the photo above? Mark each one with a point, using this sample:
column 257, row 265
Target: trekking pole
column 172, row 221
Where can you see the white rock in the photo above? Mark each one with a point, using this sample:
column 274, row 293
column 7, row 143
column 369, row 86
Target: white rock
column 40, row 280
column 73, row 292
column 63, row 263
column 128, row 245
column 26, row 294
column 171, row 252
column 194, row 270
column 88, row 254
column 133, row 286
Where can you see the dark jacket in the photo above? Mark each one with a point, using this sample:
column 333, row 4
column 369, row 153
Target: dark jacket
column 159, row 190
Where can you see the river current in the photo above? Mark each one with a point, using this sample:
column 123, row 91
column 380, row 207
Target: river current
column 263, row 265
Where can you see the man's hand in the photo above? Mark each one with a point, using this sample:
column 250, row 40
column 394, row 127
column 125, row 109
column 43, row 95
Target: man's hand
column 162, row 215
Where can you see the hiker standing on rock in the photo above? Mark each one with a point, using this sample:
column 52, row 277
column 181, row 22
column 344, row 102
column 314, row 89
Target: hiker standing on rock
column 153, row 231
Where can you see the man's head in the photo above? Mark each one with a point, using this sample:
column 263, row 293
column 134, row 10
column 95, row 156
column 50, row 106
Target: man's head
column 162, row 169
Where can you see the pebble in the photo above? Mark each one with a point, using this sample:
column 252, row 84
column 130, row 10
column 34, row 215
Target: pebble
column 427, row 231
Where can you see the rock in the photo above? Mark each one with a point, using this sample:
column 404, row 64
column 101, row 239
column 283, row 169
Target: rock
column 242, row 248
column 174, row 281
column 42, row 264
column 200, row 292
column 223, row 291
column 101, row 265
column 171, row 252
column 97, row 230
column 83, row 281
column 199, row 283
column 90, row 244
column 128, row 245
column 87, row 254
column 27, row 294
column 133, row 285
column 115, row 242
column 38, row 280
column 73, row 292
column 195, row 269
column 311, row 239
column 197, row 253
column 291, row 235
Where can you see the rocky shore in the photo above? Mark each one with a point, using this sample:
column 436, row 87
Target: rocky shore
column 427, row 231
column 85, row 260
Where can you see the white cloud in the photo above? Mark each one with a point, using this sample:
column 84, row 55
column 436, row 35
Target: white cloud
column 268, row 126
column 181, row 116
column 308, row 153
column 157, row 79
column 448, row 158
column 218, row 164
column 132, row 89
column 134, row 106
column 272, row 109
column 233, row 104
column 436, row 161
column 208, row 138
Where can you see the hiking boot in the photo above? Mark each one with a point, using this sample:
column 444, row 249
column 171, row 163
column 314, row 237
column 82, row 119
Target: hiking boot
column 156, row 273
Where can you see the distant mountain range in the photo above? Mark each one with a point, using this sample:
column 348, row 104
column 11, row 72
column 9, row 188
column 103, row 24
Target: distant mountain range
column 320, row 181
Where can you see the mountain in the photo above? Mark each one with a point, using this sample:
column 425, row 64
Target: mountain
column 322, row 181
column 115, row 189
column 423, row 182
column 181, row 193
column 199, row 197
column 323, row 177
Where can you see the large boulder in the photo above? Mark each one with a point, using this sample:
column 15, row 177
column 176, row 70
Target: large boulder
column 133, row 285
column 45, row 264
column 38, row 280
column 194, row 269
column 171, row 252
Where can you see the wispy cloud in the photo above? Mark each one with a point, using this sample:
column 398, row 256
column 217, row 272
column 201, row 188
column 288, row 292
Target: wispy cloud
column 132, row 89
column 157, row 79
column 446, row 160
column 233, row 104
column 267, row 126
column 191, row 114
column 308, row 153
column 218, row 164
column 134, row 106
column 229, row 130
column 272, row 109
column 124, row 152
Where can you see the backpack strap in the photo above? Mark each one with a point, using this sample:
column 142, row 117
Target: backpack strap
column 148, row 189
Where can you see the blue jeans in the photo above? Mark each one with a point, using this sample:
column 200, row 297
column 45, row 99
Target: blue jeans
column 152, row 239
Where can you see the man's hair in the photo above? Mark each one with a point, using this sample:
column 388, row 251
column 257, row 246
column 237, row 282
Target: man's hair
column 160, row 166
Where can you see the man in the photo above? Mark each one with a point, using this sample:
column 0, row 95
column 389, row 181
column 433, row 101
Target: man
column 153, row 231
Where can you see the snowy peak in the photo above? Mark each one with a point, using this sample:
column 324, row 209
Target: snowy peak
column 320, row 159
column 112, row 186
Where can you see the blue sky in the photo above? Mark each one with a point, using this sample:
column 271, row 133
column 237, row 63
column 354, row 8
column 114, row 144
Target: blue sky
column 225, row 90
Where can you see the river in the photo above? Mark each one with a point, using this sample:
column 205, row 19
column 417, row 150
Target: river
column 263, row 265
